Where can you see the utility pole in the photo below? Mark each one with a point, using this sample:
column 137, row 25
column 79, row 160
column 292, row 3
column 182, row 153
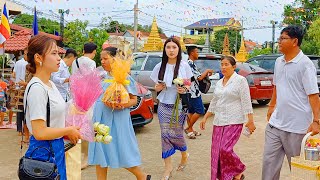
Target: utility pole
column 135, row 41
column 242, row 38
column 61, row 11
column 273, row 34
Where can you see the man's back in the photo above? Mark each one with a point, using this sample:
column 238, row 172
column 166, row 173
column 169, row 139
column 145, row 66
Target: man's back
column 20, row 70
column 83, row 62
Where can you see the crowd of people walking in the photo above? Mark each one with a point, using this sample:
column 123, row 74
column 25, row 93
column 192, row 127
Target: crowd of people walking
column 44, row 78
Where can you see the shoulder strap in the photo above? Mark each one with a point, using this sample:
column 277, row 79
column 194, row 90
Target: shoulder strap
column 25, row 110
column 48, row 106
column 77, row 63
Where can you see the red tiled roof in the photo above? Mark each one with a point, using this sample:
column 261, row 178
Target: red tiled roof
column 116, row 34
column 20, row 40
column 250, row 45
column 16, row 27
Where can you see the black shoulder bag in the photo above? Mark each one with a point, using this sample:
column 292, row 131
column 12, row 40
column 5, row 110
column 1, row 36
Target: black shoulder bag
column 204, row 85
column 31, row 169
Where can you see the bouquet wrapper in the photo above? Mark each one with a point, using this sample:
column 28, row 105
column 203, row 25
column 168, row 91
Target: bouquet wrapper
column 85, row 88
column 116, row 93
column 81, row 119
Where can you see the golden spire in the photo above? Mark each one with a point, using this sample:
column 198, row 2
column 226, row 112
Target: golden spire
column 154, row 42
column 183, row 46
column 241, row 56
column 226, row 50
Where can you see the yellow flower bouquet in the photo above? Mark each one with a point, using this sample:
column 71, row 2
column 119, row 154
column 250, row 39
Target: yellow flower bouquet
column 116, row 93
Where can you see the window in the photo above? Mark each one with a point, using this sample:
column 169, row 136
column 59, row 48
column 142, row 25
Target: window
column 204, row 64
column 152, row 62
column 254, row 62
column 316, row 62
column 268, row 65
column 138, row 62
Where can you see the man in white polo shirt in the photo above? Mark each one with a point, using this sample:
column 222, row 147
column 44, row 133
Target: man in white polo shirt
column 294, row 107
column 86, row 61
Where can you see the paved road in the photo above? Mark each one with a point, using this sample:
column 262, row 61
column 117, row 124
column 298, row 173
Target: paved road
column 249, row 149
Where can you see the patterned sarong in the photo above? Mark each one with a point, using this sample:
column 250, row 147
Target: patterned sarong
column 172, row 138
column 225, row 164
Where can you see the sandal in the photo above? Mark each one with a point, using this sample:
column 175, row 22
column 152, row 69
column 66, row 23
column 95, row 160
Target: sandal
column 148, row 177
column 181, row 167
column 191, row 135
column 196, row 133
column 167, row 177
column 241, row 178
column 186, row 131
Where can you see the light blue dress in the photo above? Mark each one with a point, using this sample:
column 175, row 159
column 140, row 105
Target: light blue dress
column 123, row 151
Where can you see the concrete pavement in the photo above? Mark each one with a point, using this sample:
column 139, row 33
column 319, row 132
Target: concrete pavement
column 250, row 151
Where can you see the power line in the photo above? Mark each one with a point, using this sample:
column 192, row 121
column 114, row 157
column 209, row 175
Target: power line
column 160, row 19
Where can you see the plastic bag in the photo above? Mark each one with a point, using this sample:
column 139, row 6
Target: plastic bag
column 116, row 93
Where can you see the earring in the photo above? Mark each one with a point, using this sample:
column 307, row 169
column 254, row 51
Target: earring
column 40, row 63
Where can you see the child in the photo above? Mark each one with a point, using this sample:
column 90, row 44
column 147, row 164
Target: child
column 3, row 88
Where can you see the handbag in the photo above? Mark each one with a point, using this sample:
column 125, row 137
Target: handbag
column 35, row 169
column 204, row 84
column 30, row 168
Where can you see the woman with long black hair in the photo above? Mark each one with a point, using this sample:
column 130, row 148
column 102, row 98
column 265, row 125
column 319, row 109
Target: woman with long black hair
column 163, row 74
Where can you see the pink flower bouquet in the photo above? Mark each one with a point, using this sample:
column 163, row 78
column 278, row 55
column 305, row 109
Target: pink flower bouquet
column 85, row 87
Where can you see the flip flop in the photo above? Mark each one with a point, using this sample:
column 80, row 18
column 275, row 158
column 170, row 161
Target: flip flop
column 191, row 135
column 196, row 133
column 181, row 167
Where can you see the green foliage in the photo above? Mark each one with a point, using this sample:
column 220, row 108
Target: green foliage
column 302, row 12
column 76, row 35
column 201, row 41
column 45, row 25
column 217, row 44
column 98, row 36
column 311, row 43
column 257, row 52
column 111, row 26
column 305, row 13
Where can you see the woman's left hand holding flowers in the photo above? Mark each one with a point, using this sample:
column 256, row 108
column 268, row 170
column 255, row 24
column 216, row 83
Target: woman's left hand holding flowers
column 181, row 89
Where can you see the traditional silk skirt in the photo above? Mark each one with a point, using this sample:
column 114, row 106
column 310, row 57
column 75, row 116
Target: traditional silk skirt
column 225, row 164
column 172, row 138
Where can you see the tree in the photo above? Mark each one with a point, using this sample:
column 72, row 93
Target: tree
column 302, row 12
column 201, row 41
column 217, row 44
column 98, row 36
column 76, row 35
column 311, row 44
column 258, row 51
column 111, row 26
column 45, row 25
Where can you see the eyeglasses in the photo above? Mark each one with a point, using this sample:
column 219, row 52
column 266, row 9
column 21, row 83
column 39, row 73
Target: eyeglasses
column 282, row 38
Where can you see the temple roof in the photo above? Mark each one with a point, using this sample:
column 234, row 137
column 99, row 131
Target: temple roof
column 212, row 23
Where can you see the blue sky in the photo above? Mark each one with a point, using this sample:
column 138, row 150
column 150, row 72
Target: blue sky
column 173, row 15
